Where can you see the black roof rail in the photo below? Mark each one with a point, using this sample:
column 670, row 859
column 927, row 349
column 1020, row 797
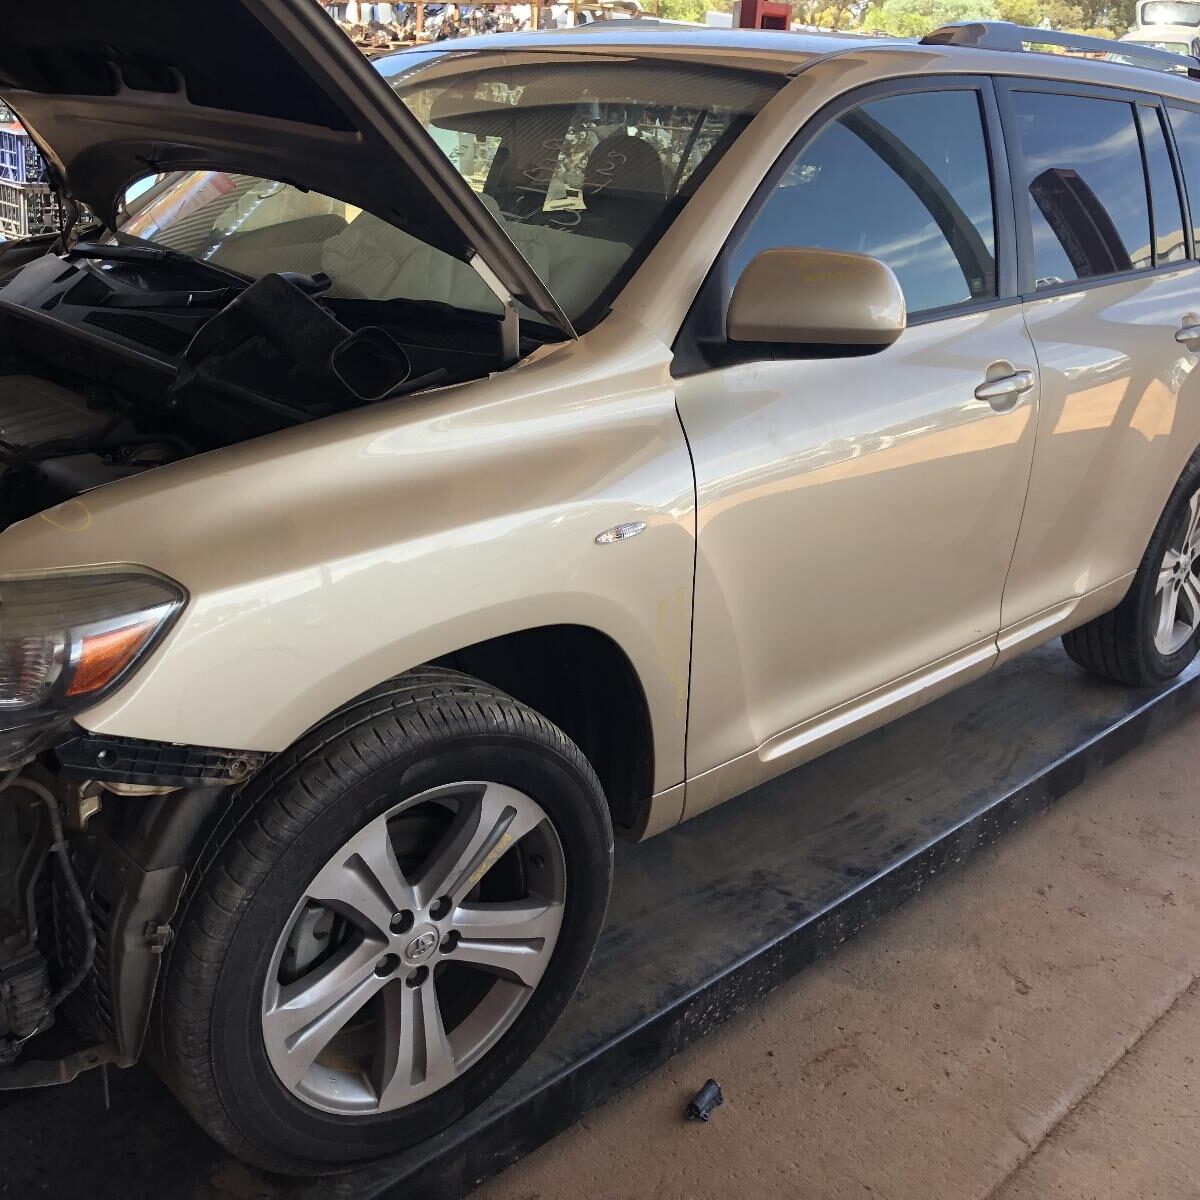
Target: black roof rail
column 1004, row 35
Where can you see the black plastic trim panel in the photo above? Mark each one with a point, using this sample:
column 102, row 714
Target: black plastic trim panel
column 163, row 764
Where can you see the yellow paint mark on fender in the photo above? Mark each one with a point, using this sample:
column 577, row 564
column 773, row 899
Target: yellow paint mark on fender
column 74, row 516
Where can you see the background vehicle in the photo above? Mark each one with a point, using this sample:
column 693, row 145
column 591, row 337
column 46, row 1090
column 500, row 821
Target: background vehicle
column 1172, row 25
column 1177, row 39
column 443, row 463
column 1155, row 14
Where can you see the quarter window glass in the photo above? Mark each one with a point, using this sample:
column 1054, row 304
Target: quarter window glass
column 1169, row 245
column 1085, row 186
column 905, row 180
column 1186, row 125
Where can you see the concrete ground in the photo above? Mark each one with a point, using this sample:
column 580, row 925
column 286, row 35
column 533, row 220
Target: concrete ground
column 1027, row 1028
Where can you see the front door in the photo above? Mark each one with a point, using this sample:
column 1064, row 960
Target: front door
column 857, row 515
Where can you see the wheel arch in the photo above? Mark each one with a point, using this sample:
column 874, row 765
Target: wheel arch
column 584, row 682
column 609, row 718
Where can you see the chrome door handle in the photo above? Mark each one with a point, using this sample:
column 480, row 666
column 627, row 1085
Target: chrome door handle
column 1003, row 393
column 1188, row 333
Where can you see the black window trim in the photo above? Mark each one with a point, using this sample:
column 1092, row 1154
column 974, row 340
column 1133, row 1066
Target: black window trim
column 1144, row 112
column 1026, row 267
column 704, row 324
column 1166, row 104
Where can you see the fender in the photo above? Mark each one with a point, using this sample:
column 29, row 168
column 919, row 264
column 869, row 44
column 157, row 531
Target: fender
column 325, row 559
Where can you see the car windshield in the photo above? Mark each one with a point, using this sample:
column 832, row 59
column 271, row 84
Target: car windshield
column 584, row 159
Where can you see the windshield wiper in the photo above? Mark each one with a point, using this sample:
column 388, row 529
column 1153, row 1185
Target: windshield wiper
column 196, row 298
column 118, row 252
column 149, row 253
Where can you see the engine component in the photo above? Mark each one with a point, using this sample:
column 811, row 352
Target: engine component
column 41, row 423
column 274, row 356
column 56, row 443
column 24, row 904
column 34, row 411
column 74, row 899
column 117, row 359
column 24, row 994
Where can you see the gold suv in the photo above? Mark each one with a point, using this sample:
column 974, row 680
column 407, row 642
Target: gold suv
column 411, row 471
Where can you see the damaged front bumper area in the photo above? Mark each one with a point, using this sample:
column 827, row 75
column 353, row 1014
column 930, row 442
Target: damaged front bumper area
column 97, row 837
column 96, row 832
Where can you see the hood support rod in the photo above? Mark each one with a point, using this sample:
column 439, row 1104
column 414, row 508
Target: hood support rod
column 510, row 324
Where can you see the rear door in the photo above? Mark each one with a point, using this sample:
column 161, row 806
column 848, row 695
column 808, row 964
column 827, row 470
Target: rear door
column 1109, row 282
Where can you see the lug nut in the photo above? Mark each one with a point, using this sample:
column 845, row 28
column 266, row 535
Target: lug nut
column 402, row 922
column 417, row 977
column 386, row 965
column 440, row 908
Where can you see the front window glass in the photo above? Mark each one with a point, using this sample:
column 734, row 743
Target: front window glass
column 584, row 161
column 1085, row 186
column 905, row 180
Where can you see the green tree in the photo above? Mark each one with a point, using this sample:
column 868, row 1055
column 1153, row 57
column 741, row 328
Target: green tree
column 1113, row 15
column 687, row 10
column 911, row 18
column 829, row 14
column 915, row 18
column 1022, row 12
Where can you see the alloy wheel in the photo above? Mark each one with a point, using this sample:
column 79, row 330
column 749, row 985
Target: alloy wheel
column 414, row 949
column 1177, row 593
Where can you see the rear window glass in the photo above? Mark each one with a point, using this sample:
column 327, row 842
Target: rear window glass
column 1166, row 206
column 1084, row 186
column 1186, row 126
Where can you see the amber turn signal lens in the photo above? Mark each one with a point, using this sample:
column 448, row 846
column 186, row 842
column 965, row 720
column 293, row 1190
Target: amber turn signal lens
column 103, row 656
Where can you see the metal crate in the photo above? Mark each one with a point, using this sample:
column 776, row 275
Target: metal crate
column 20, row 161
column 26, row 210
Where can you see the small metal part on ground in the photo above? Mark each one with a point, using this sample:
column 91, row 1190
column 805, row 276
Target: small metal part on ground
column 701, row 1105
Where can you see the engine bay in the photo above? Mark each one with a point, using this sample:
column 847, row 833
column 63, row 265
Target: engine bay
column 118, row 359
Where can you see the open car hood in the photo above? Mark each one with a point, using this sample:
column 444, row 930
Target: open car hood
column 114, row 92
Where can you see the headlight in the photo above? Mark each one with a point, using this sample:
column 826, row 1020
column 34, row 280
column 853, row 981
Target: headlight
column 69, row 638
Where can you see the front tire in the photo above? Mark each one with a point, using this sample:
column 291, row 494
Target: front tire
column 392, row 917
column 1154, row 633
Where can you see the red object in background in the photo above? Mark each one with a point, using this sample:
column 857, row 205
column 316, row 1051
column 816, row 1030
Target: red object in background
column 762, row 14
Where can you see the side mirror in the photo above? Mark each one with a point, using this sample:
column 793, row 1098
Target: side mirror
column 819, row 298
